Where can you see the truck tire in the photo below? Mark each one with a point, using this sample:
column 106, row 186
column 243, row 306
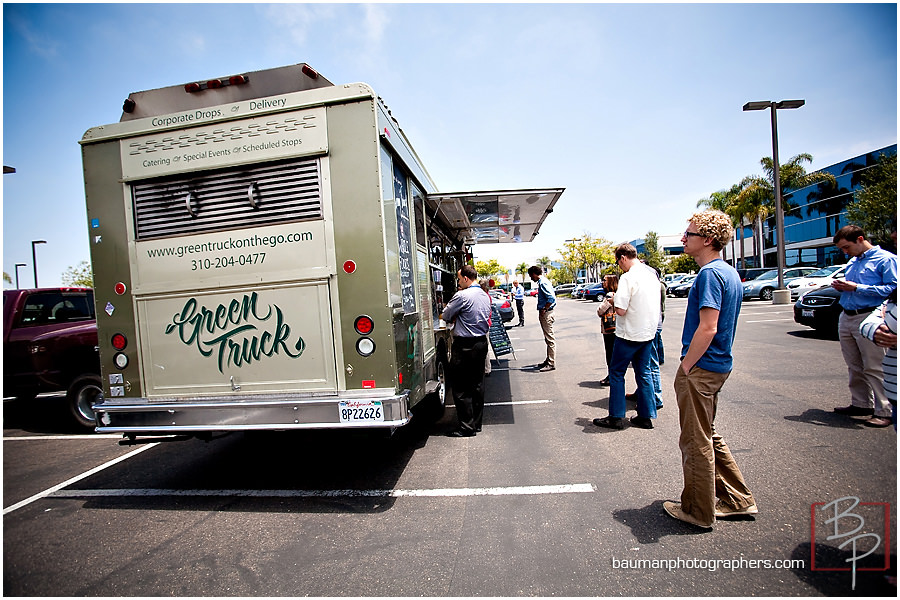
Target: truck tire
column 83, row 394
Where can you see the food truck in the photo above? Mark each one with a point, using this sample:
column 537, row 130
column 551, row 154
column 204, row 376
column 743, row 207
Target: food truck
column 269, row 252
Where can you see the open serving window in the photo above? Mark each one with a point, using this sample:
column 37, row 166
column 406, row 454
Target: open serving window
column 508, row 216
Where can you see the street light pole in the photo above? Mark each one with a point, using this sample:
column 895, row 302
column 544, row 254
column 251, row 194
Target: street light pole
column 17, row 273
column 34, row 258
column 781, row 295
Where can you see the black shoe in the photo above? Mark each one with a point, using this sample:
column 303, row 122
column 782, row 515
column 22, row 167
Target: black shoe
column 631, row 397
column 660, row 406
column 642, row 422
column 610, row 423
column 540, row 365
column 854, row 411
column 458, row 433
column 604, row 382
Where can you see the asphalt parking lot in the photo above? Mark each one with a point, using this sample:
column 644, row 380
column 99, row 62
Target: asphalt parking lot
column 541, row 503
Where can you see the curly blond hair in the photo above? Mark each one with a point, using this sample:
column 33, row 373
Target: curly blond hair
column 714, row 224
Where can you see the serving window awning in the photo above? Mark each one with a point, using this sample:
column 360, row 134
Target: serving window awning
column 506, row 216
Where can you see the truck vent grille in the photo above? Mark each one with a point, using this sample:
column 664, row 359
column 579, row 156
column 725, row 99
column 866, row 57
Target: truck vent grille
column 247, row 196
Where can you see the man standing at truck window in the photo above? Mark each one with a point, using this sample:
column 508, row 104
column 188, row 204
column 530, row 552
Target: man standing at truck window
column 870, row 278
column 713, row 484
column 519, row 296
column 470, row 311
column 546, row 302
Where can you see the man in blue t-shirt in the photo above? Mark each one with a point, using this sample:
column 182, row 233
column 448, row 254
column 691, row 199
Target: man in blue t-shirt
column 713, row 485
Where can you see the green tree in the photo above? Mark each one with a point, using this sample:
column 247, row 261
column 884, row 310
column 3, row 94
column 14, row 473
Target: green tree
column 489, row 268
column 874, row 206
column 6, row 277
column 726, row 201
column 653, row 254
column 522, row 269
column 80, row 275
column 683, row 263
column 756, row 201
column 588, row 253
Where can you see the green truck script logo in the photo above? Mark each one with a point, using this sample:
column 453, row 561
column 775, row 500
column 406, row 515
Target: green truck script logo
column 235, row 332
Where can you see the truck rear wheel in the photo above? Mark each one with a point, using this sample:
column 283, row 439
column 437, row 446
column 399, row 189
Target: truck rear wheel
column 83, row 394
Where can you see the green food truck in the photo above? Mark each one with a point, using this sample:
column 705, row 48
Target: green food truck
column 270, row 253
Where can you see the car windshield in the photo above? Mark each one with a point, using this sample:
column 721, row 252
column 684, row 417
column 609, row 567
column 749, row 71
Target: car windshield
column 825, row 272
column 771, row 274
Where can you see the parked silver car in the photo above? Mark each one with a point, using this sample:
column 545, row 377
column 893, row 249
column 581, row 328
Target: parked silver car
column 763, row 286
column 823, row 276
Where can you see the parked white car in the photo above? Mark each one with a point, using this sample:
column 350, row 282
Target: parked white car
column 824, row 276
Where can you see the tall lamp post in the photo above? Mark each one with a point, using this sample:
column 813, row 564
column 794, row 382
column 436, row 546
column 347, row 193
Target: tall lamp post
column 781, row 295
column 17, row 273
column 34, row 258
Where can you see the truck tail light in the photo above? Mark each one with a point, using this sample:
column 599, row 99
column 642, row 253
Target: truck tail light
column 363, row 325
column 119, row 341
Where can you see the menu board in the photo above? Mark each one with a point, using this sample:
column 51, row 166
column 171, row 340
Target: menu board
column 404, row 239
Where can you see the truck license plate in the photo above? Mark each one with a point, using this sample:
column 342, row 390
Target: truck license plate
column 807, row 312
column 361, row 411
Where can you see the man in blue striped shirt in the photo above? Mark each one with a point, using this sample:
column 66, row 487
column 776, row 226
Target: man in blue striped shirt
column 870, row 278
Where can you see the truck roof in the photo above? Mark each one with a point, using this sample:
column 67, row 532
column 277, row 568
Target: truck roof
column 230, row 88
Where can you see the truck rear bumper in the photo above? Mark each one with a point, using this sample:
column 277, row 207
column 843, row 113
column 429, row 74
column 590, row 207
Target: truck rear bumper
column 264, row 412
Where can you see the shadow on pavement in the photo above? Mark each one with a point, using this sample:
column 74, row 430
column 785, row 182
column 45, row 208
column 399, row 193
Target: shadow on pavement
column 826, row 418
column 871, row 575
column 651, row 523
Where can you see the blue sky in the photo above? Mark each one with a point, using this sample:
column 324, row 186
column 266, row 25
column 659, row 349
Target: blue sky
column 634, row 108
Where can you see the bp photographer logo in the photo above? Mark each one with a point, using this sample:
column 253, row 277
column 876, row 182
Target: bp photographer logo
column 847, row 535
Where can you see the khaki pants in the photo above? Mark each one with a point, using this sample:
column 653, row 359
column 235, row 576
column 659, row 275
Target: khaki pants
column 709, row 469
column 863, row 360
column 546, row 319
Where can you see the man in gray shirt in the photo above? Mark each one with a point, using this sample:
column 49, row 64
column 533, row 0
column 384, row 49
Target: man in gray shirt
column 470, row 312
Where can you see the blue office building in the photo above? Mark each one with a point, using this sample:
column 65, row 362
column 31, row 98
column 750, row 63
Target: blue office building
column 817, row 212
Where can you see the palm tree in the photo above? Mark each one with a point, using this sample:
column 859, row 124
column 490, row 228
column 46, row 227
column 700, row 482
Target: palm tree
column 756, row 201
column 544, row 262
column 725, row 201
column 522, row 269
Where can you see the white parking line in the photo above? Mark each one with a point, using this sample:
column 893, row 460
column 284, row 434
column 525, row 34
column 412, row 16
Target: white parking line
column 768, row 320
column 68, row 482
column 33, row 438
column 511, row 403
column 529, row 490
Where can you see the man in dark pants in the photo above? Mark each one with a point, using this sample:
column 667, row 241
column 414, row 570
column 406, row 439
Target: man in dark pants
column 519, row 296
column 470, row 311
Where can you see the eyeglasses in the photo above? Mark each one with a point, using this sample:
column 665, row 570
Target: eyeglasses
column 693, row 234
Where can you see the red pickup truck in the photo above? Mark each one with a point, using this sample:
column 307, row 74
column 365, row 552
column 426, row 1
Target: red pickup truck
column 50, row 345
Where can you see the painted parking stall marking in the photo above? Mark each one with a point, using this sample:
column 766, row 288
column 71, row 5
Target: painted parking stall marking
column 530, row 490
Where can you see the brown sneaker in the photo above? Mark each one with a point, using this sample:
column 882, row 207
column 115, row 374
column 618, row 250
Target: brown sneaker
column 673, row 509
column 877, row 422
column 723, row 510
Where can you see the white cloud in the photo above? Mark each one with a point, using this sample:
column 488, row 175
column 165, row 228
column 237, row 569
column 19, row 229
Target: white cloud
column 296, row 19
column 41, row 45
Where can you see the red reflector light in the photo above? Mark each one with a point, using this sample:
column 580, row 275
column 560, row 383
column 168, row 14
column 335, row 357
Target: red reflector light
column 237, row 80
column 213, row 84
column 192, row 87
column 349, row 266
column 119, row 341
column 120, row 288
column 309, row 72
column 368, row 384
column 363, row 325
column 400, row 378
